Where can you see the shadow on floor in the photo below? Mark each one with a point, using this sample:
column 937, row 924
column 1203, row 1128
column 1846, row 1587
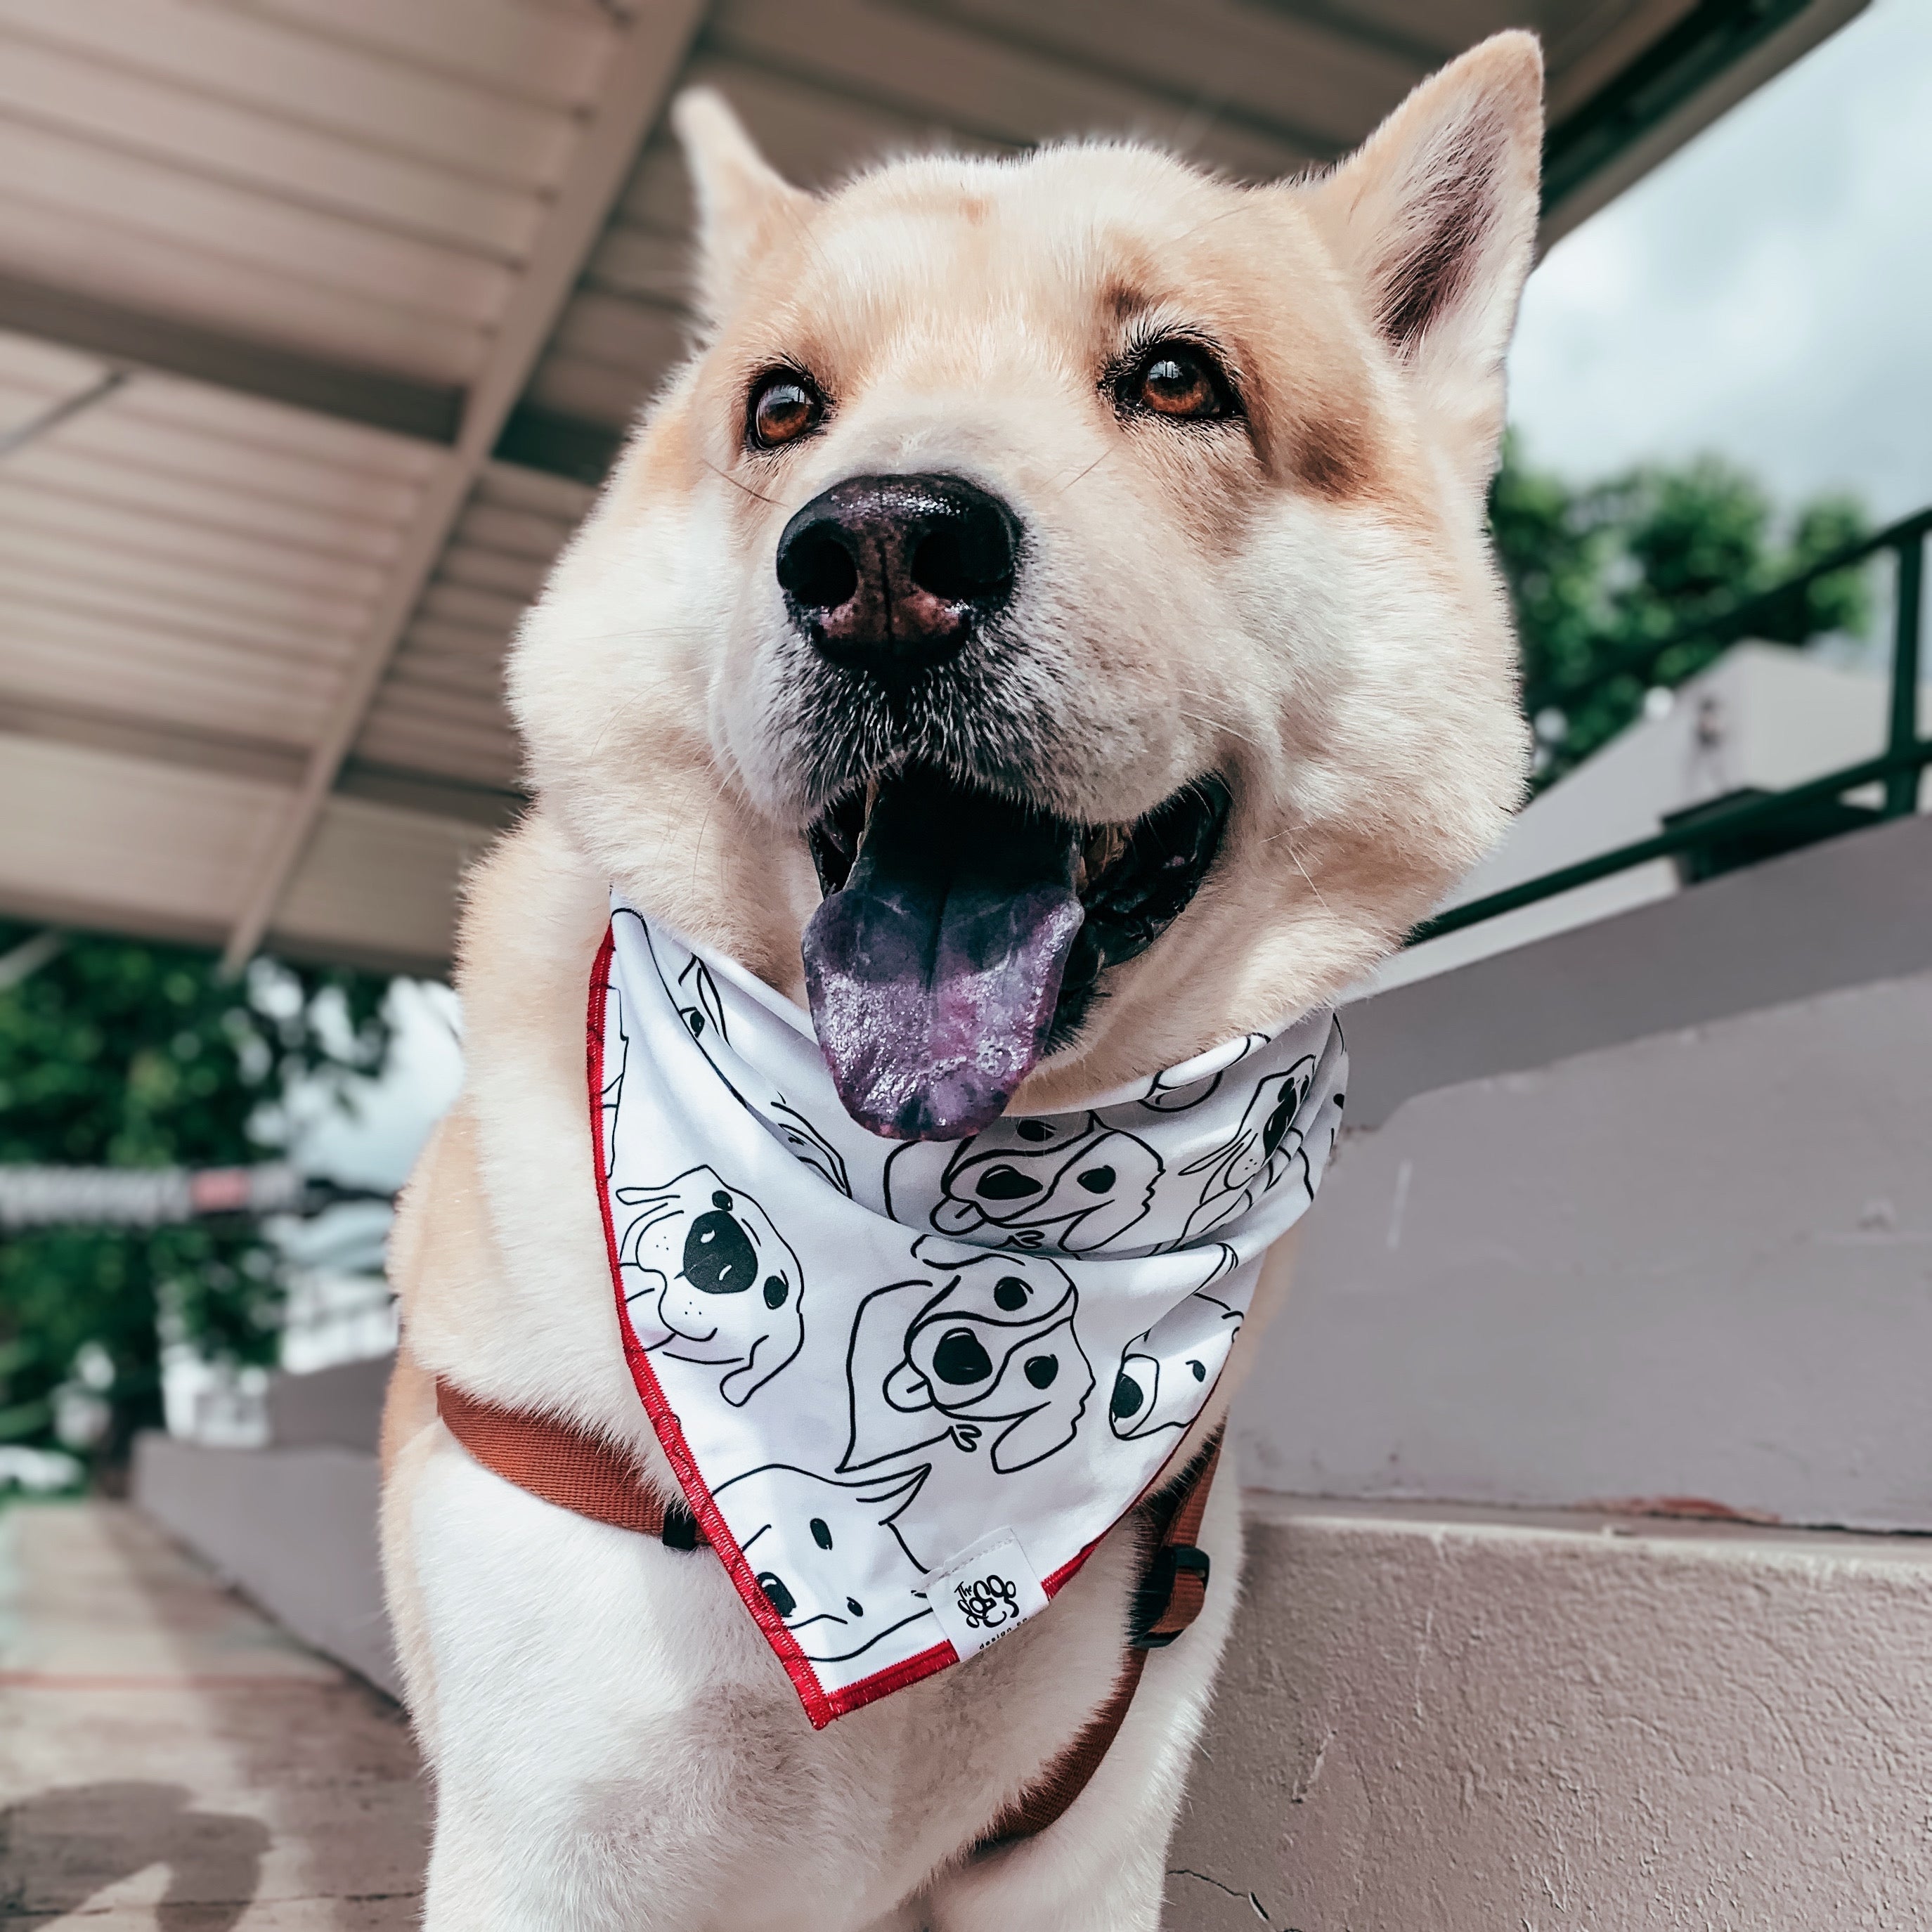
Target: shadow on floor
column 60, row 1848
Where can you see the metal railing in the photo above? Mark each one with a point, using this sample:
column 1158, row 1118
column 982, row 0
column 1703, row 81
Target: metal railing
column 1897, row 768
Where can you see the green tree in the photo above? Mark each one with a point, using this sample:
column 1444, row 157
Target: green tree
column 1603, row 574
column 119, row 1054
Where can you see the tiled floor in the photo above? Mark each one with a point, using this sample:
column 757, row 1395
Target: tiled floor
column 170, row 1759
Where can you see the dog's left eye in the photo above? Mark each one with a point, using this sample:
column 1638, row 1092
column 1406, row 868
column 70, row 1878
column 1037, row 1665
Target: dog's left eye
column 1179, row 379
column 785, row 406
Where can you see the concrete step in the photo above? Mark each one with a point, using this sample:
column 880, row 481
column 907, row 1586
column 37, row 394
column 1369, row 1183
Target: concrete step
column 1441, row 1720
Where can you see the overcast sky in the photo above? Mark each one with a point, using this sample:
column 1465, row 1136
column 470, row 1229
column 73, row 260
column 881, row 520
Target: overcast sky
column 1767, row 293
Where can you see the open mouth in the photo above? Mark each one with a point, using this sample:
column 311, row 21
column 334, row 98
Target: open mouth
column 963, row 934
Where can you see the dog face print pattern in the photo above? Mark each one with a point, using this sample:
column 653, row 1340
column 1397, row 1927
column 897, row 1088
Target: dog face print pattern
column 865, row 1359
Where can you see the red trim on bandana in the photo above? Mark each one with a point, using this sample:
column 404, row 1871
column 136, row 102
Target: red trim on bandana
column 821, row 1706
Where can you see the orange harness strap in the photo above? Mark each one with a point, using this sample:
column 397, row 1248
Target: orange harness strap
column 560, row 1463
column 563, row 1464
column 1174, row 1587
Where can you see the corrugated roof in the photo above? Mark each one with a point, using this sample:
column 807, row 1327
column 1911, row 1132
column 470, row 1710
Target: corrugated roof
column 319, row 318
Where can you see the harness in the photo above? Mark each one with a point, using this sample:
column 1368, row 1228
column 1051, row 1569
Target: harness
column 561, row 1464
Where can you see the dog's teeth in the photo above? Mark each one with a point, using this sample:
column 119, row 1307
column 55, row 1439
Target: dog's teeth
column 1105, row 844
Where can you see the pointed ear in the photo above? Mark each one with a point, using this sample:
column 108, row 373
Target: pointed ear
column 1434, row 218
column 738, row 192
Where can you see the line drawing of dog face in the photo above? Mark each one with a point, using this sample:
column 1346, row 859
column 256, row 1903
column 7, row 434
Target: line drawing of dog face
column 813, row 1150
column 612, row 1097
column 1077, row 1186
column 835, row 1534
column 1163, row 1097
column 698, row 1005
column 982, row 1345
column 1263, row 1151
column 1167, row 1372
column 708, row 1279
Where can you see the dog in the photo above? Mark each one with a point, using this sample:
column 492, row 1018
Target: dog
column 830, row 1624
column 983, row 1345
column 1167, row 642
column 708, row 1279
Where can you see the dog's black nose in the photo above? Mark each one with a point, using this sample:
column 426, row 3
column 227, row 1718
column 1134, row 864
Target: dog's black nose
column 891, row 575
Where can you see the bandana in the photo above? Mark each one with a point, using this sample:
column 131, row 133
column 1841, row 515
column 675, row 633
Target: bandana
column 906, row 1387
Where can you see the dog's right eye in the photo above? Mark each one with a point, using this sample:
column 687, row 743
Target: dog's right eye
column 785, row 406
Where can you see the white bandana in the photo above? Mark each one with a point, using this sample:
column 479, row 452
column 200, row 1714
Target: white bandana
column 907, row 1387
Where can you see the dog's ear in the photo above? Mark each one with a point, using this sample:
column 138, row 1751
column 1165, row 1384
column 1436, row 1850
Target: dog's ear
column 1434, row 219
column 740, row 196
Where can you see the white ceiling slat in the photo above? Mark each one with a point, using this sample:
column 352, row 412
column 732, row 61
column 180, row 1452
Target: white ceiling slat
column 151, row 690
column 594, row 392
column 443, row 637
column 929, row 66
column 60, row 471
column 105, row 257
column 186, row 588
column 526, row 54
column 465, row 604
column 435, row 704
column 518, row 577
column 43, row 370
column 1308, row 80
column 237, row 222
column 45, row 575
column 33, row 626
column 474, row 688
column 643, row 65
column 380, row 881
column 642, row 263
column 617, row 331
column 811, row 136
column 147, row 838
column 114, row 468
column 259, row 427
column 1442, row 29
column 262, row 66
column 521, row 532
column 152, row 532
column 155, row 124
column 560, row 497
column 404, row 744
column 428, row 738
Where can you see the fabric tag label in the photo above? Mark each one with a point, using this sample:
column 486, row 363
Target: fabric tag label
column 981, row 1595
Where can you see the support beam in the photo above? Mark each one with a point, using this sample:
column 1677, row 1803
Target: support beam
column 135, row 338
column 642, row 65
column 65, row 410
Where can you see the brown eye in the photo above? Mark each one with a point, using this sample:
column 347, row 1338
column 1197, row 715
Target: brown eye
column 785, row 407
column 1175, row 379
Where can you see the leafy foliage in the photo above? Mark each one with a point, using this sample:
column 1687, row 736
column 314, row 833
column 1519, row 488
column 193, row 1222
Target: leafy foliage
column 1601, row 576
column 116, row 1053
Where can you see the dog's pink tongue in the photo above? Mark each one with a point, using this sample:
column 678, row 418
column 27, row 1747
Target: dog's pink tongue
column 933, row 974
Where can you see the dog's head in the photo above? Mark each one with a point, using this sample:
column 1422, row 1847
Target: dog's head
column 983, row 1345
column 827, row 1555
column 1073, row 1181
column 708, row 1279
column 1072, row 567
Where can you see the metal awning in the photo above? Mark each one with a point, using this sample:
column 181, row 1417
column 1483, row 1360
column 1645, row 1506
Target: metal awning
column 320, row 319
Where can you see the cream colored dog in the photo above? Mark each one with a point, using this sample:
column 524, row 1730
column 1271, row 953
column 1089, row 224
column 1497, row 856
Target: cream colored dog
column 1160, row 507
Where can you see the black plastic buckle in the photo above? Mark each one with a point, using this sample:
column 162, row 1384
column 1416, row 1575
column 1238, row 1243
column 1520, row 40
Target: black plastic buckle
column 1171, row 1562
column 680, row 1528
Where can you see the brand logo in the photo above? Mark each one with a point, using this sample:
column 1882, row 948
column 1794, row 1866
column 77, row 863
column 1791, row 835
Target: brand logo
column 988, row 1602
